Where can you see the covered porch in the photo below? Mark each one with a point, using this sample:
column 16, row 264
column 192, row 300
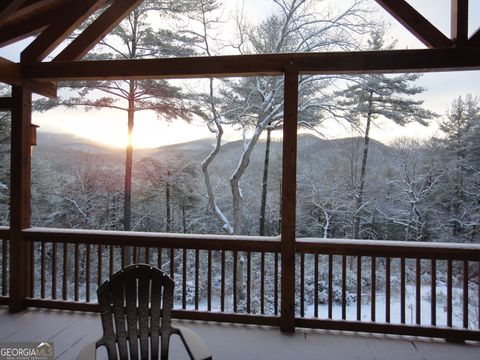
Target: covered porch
column 41, row 267
column 71, row 330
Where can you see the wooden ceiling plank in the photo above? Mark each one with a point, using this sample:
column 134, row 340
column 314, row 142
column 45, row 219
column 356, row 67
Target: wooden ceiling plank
column 57, row 32
column 362, row 62
column 31, row 7
column 26, row 26
column 416, row 23
column 110, row 18
column 11, row 7
column 459, row 22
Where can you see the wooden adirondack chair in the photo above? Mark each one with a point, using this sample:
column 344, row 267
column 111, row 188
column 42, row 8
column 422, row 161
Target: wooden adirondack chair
column 139, row 301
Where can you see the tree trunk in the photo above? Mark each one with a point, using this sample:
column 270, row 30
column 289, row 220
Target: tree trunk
column 128, row 161
column 127, row 202
column 363, row 173
column 168, row 207
column 184, row 219
column 263, row 201
column 212, row 205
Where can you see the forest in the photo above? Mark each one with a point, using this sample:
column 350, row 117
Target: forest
column 355, row 187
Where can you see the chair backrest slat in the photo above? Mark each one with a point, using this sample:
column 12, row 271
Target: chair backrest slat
column 143, row 315
column 156, row 306
column 140, row 297
column 108, row 340
column 131, row 309
column 118, row 297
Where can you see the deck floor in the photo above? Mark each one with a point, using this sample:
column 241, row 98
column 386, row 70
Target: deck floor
column 70, row 331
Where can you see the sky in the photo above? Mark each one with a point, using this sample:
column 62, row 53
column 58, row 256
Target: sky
column 109, row 127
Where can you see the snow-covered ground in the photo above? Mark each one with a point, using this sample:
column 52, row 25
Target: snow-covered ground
column 410, row 308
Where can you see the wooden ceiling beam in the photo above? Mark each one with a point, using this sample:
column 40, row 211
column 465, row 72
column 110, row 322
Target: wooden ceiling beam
column 459, row 22
column 391, row 61
column 10, row 8
column 416, row 23
column 110, row 18
column 10, row 73
column 475, row 38
column 57, row 32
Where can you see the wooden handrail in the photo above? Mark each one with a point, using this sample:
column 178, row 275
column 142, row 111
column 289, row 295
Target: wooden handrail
column 163, row 240
column 440, row 251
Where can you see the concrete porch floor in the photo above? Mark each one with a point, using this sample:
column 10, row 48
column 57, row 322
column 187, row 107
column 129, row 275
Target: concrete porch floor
column 70, row 331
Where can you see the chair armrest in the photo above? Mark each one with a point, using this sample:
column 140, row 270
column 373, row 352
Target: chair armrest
column 89, row 352
column 194, row 344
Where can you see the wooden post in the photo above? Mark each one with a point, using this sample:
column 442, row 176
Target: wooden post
column 289, row 183
column 20, row 195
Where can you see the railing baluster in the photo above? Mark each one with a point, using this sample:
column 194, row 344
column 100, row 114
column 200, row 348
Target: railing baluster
column 478, row 294
column 374, row 288
column 184, row 279
column 222, row 280
column 275, row 291
column 65, row 272
column 387, row 288
column 359, row 288
column 87, row 273
column 249, row 281
column 262, row 283
column 234, row 283
column 449, row 292
column 159, row 258
column 147, row 255
column 209, row 280
column 77, row 272
column 302, row 285
column 99, row 265
column 111, row 261
column 465, row 294
column 197, row 285
column 315, row 314
column 4, row 266
column 330, row 286
column 31, row 248
column 134, row 255
column 433, row 293
column 42, row 270
column 344, row 287
column 54, row 270
column 418, row 291
column 402, row 290
column 172, row 263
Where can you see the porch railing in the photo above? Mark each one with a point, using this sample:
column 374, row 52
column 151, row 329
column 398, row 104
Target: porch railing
column 420, row 289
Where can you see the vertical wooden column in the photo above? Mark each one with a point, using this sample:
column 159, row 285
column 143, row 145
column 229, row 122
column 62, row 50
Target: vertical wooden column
column 20, row 177
column 289, row 184
column 459, row 22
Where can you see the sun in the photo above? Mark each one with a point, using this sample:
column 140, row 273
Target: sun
column 110, row 128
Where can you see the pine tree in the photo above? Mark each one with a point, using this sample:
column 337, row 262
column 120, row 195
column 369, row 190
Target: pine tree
column 135, row 38
column 379, row 96
column 462, row 144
